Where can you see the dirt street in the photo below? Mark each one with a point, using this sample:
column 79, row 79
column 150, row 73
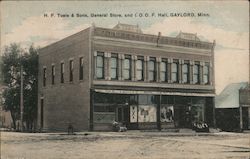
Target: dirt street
column 126, row 145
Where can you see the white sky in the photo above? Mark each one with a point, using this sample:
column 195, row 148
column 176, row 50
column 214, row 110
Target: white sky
column 228, row 24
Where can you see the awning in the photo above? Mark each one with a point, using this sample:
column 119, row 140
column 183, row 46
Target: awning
column 153, row 92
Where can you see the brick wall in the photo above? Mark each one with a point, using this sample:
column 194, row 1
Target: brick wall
column 66, row 102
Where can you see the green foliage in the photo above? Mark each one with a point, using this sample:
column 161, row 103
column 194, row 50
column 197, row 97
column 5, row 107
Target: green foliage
column 14, row 56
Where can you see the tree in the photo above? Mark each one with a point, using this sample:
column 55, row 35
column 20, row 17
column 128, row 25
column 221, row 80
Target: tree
column 14, row 56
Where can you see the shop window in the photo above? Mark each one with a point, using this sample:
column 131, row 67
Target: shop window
column 139, row 69
column 81, row 68
column 114, row 67
column 62, row 72
column 100, row 66
column 127, row 68
column 53, row 74
column 196, row 74
column 174, row 72
column 185, row 73
column 44, row 77
column 167, row 113
column 206, row 73
column 151, row 70
column 147, row 113
column 163, row 73
column 71, row 67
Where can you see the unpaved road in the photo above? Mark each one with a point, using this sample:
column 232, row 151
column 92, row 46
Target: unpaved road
column 128, row 145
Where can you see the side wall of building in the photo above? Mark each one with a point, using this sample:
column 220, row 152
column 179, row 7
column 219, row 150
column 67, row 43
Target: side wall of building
column 64, row 103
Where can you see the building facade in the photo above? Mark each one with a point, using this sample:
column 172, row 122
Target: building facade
column 99, row 75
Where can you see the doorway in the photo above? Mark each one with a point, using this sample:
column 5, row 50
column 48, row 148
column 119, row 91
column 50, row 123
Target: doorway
column 122, row 114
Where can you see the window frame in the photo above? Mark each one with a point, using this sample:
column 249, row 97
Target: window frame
column 140, row 70
column 114, row 56
column 153, row 71
column 53, row 72
column 127, row 69
column 185, row 73
column 197, row 75
column 164, row 61
column 207, row 75
column 62, row 72
column 44, row 76
column 81, row 66
column 71, row 70
column 99, row 55
column 176, row 72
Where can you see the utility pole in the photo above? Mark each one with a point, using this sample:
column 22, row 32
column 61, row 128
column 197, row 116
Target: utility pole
column 21, row 97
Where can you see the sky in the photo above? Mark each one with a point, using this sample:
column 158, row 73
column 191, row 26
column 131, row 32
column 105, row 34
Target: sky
column 228, row 24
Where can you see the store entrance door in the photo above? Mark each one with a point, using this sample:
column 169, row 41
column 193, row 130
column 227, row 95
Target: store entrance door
column 122, row 114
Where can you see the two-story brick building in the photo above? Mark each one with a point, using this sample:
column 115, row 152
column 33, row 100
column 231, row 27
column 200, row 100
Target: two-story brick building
column 100, row 75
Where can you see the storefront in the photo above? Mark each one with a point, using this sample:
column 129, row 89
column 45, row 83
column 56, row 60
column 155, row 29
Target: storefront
column 145, row 111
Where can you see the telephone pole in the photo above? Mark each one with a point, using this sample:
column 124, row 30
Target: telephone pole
column 21, row 97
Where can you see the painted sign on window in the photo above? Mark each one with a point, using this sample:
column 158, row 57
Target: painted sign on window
column 167, row 114
column 147, row 113
column 133, row 113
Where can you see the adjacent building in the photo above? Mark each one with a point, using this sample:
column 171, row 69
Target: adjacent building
column 100, row 75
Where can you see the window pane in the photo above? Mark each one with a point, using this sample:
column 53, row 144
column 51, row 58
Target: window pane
column 99, row 72
column 185, row 68
column 99, row 61
column 163, row 76
column 174, row 77
column 126, row 64
column 113, row 62
column 139, row 64
column 185, row 78
column 195, row 78
column 139, row 75
column 151, row 76
column 151, row 65
column 163, row 66
column 174, row 67
column 113, row 73
column 205, row 77
column 126, row 74
column 196, row 69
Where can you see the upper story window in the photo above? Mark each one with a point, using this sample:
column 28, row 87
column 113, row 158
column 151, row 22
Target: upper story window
column 81, row 68
column 139, row 69
column 114, row 66
column 174, row 71
column 151, row 70
column 196, row 73
column 206, row 73
column 185, row 72
column 62, row 72
column 44, row 77
column 163, row 73
column 71, row 67
column 127, row 68
column 53, row 71
column 99, row 65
